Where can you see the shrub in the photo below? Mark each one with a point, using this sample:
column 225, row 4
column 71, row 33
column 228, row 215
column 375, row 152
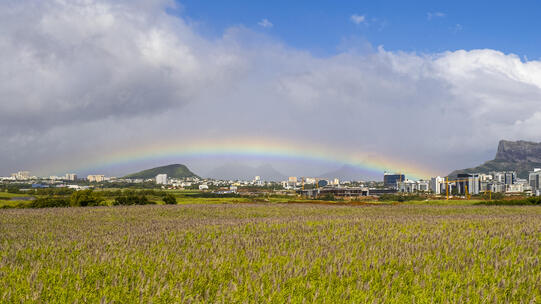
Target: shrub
column 132, row 198
column 50, row 201
column 85, row 198
column 401, row 197
column 169, row 199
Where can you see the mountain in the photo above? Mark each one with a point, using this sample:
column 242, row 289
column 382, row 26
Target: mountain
column 172, row 171
column 520, row 156
column 350, row 173
column 238, row 171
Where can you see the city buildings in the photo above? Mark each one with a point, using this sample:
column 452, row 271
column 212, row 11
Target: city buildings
column 21, row 175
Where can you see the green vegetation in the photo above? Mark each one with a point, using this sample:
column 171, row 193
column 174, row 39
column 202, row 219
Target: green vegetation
column 85, row 198
column 536, row 200
column 49, row 201
column 132, row 198
column 401, row 197
column 172, row 171
column 277, row 253
column 169, row 199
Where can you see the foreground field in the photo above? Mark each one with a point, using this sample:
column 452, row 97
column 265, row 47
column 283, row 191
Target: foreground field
column 271, row 253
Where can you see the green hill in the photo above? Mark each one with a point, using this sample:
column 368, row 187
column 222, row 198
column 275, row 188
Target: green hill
column 172, row 171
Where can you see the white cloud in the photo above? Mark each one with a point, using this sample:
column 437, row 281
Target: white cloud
column 357, row 19
column 265, row 23
column 457, row 28
column 433, row 15
column 80, row 77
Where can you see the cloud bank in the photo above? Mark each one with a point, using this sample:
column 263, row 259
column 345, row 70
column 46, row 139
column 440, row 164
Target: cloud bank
column 80, row 79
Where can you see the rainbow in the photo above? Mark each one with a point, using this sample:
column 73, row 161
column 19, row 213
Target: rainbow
column 254, row 147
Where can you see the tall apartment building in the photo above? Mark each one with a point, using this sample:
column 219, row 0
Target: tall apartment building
column 506, row 177
column 535, row 179
column 437, row 184
column 469, row 181
column 161, row 179
column 71, row 177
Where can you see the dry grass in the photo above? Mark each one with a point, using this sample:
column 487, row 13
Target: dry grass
column 271, row 253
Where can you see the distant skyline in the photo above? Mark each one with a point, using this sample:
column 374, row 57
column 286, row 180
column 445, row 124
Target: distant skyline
column 112, row 87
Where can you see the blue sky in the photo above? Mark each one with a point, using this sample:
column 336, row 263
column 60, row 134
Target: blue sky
column 325, row 27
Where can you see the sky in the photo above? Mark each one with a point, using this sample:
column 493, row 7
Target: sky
column 327, row 27
column 102, row 86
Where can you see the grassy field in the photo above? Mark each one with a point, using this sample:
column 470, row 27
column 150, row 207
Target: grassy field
column 9, row 196
column 271, row 253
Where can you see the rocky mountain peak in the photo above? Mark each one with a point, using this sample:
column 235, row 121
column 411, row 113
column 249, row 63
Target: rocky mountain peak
column 519, row 151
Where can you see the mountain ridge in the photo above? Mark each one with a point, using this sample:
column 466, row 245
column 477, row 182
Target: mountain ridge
column 520, row 156
column 172, row 171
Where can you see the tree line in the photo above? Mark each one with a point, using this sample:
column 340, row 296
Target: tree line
column 87, row 198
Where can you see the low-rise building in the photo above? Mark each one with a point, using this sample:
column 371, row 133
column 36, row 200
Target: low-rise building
column 342, row 192
column 411, row 186
column 96, row 178
column 515, row 188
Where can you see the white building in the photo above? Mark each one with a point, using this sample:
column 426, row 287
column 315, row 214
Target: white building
column 497, row 187
column 515, row 188
column 437, row 184
column 96, row 178
column 506, row 177
column 203, row 187
column 161, row 179
column 257, row 181
column 310, row 180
